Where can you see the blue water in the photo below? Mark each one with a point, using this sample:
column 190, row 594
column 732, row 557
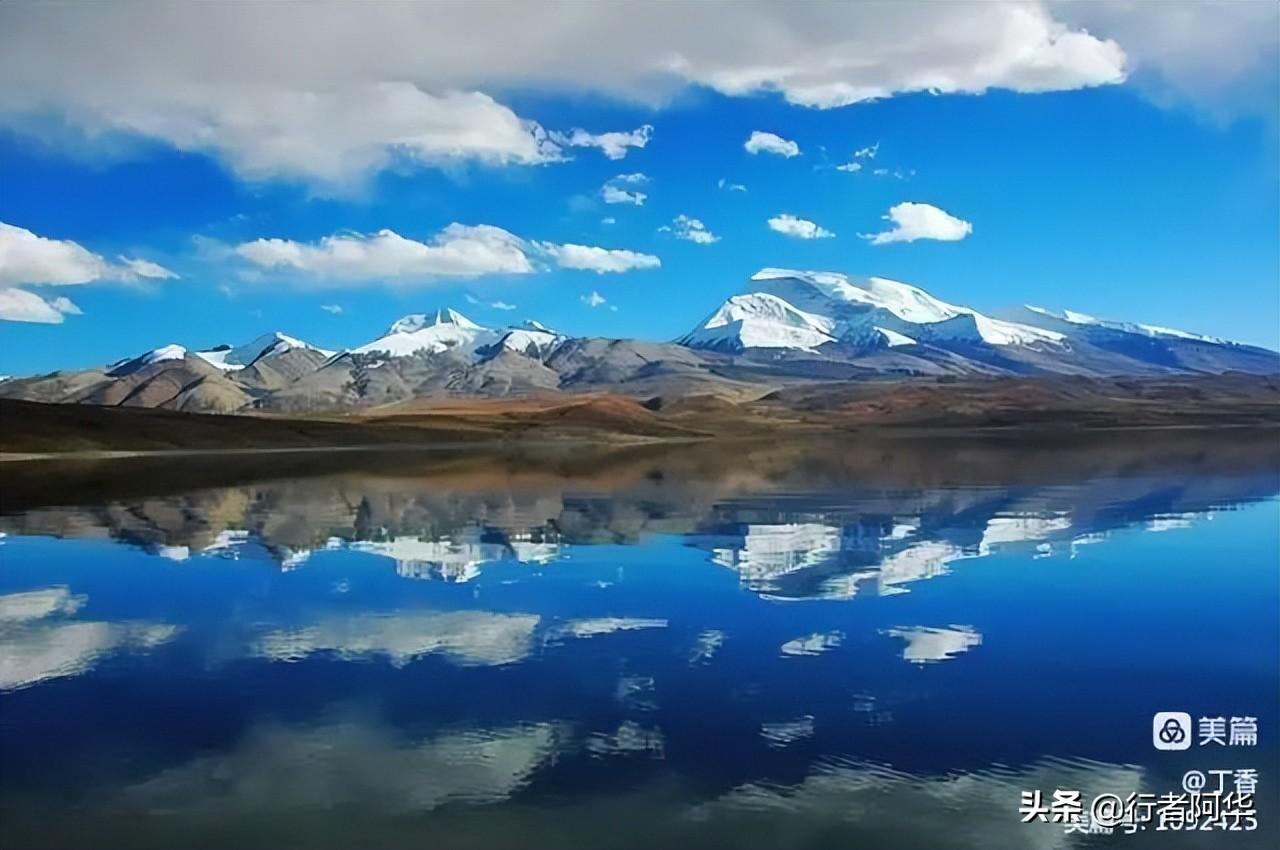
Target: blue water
column 708, row 659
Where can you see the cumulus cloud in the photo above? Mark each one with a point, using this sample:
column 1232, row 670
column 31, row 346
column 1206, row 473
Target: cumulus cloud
column 691, row 230
column 612, row 194
column 761, row 142
column 868, row 152
column 613, row 191
column 332, row 309
column 798, row 228
column 19, row 305
column 850, row 166
column 30, row 259
column 613, row 145
column 598, row 260
column 730, row 187
column 365, row 85
column 27, row 258
column 1219, row 56
column 457, row 251
column 912, row 221
column 595, row 299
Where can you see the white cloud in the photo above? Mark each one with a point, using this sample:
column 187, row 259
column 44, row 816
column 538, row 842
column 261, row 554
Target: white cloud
column 849, row 166
column 1220, row 56
column 761, row 142
column 730, row 187
column 868, row 152
column 457, row 251
column 595, row 299
column 613, row 195
column 65, row 305
column 912, row 221
column 608, row 220
column 365, row 85
column 613, row 145
column 19, row 305
column 691, row 230
column 332, row 309
column 612, row 192
column 798, row 228
column 495, row 305
column 137, row 268
column 598, row 260
column 27, row 258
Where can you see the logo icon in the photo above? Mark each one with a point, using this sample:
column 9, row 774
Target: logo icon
column 1171, row 730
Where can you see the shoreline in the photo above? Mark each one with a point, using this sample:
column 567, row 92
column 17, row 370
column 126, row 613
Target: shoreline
column 889, row 431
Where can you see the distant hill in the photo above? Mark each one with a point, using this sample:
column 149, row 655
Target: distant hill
column 1025, row 404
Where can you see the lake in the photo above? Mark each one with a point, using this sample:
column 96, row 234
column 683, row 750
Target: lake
column 872, row 643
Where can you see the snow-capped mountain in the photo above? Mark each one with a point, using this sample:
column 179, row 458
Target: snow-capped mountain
column 229, row 359
column 129, row 365
column 530, row 338
column 760, row 320
column 1069, row 322
column 857, row 308
column 225, row 357
column 787, row 327
column 432, row 333
column 885, row 325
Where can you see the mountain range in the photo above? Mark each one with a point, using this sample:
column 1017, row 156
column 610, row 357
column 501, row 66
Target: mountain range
column 787, row 327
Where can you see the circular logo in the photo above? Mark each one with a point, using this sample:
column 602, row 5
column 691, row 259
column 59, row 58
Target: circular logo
column 1172, row 732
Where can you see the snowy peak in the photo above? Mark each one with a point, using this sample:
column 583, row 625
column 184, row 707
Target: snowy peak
column 760, row 320
column 420, row 321
column 902, row 300
column 230, row 359
column 529, row 338
column 1070, row 320
column 430, row 333
column 156, row 355
column 875, row 311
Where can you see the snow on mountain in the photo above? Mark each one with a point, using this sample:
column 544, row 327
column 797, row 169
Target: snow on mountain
column 876, row 302
column 1064, row 319
column 230, row 359
column 529, row 337
column 130, row 365
column 760, row 320
column 444, row 330
column 893, row 339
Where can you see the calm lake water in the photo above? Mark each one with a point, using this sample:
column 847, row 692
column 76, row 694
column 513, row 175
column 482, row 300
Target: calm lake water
column 870, row 645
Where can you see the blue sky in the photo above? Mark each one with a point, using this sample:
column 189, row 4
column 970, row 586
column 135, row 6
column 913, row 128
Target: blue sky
column 1134, row 199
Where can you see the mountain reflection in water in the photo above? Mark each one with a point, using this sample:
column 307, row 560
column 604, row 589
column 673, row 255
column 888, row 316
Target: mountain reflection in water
column 717, row 646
